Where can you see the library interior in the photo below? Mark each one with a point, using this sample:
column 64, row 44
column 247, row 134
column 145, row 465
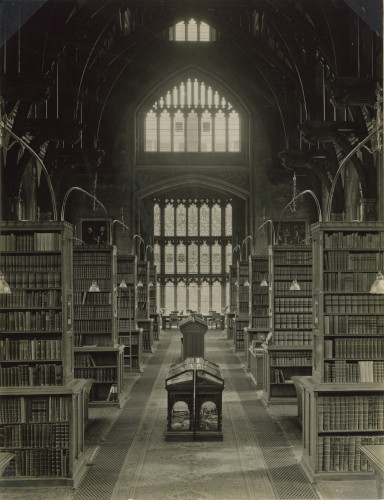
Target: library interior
column 191, row 250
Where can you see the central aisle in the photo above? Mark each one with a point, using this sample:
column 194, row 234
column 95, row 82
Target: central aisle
column 230, row 470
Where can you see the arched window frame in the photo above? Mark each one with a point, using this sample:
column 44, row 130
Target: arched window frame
column 201, row 153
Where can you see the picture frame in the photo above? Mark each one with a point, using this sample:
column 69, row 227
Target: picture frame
column 291, row 232
column 95, row 231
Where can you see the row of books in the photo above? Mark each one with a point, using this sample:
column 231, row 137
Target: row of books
column 34, row 262
column 93, row 326
column 260, row 310
column 125, row 312
column 355, row 413
column 96, row 273
column 27, row 375
column 99, row 374
column 33, row 280
column 92, row 258
column 30, row 242
column 34, row 409
column 278, row 377
column 257, row 322
column 30, row 321
column 126, row 324
column 39, row 463
column 293, row 304
column 352, row 372
column 258, row 267
column 29, row 350
column 261, row 298
column 354, row 325
column 84, row 284
column 292, row 337
column 244, row 295
column 291, row 358
column 129, row 340
column 243, row 308
column 42, row 435
column 342, row 453
column 352, row 261
column 292, row 258
column 84, row 359
column 356, row 240
column 91, row 311
column 353, row 304
column 79, row 340
column 283, row 288
column 293, row 273
column 291, row 321
column 354, row 348
column 90, row 298
column 25, row 299
column 128, row 277
column 348, row 282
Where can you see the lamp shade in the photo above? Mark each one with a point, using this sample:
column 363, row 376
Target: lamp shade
column 294, row 285
column 4, row 287
column 94, row 287
column 139, row 283
column 123, row 284
column 264, row 283
column 246, row 283
column 378, row 285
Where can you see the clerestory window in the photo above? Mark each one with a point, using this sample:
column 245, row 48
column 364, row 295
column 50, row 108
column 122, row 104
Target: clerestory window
column 193, row 118
column 192, row 31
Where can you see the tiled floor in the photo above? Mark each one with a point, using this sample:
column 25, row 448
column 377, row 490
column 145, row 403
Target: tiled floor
column 234, row 469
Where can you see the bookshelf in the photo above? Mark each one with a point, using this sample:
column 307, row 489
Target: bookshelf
column 289, row 350
column 146, row 325
column 142, row 289
column 343, row 401
column 42, row 407
column 153, row 314
column 230, row 315
column 258, row 328
column 242, row 304
column 98, row 356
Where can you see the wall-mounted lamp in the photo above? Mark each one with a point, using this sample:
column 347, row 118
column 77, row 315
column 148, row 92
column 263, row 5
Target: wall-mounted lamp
column 268, row 221
column 378, row 285
column 264, row 282
column 237, row 247
column 140, row 283
column 246, row 283
column 4, row 287
column 94, row 287
column 146, row 248
column 140, row 241
column 244, row 240
column 123, row 284
column 294, row 286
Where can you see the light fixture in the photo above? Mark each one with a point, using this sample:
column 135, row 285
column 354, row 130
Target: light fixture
column 294, row 285
column 378, row 285
column 246, row 283
column 236, row 283
column 264, row 283
column 150, row 283
column 140, row 283
column 4, row 287
column 94, row 287
column 123, row 284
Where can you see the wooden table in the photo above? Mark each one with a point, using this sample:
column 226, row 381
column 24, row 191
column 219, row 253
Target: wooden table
column 375, row 456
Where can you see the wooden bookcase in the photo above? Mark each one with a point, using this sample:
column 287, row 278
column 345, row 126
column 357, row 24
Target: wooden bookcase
column 343, row 401
column 289, row 350
column 242, row 304
column 146, row 325
column 129, row 334
column 42, row 407
column 142, row 289
column 98, row 356
column 258, row 305
column 153, row 314
column 230, row 319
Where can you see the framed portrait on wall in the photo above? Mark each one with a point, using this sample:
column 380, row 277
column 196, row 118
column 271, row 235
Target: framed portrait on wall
column 95, row 231
column 290, row 232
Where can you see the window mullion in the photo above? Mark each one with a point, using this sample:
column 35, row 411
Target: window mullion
column 158, row 130
column 213, row 132
column 226, row 131
column 199, row 131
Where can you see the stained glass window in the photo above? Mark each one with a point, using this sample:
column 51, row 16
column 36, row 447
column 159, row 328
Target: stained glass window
column 181, row 297
column 192, row 220
column 169, row 220
column 156, row 219
column 169, row 259
column 181, row 220
column 204, row 258
column 216, row 220
column 216, row 296
column 204, row 220
column 165, row 131
column 156, row 257
column 216, row 258
column 228, row 257
column 181, row 259
column 228, row 220
column 204, row 298
column 169, row 298
column 193, row 258
column 193, row 297
column 211, row 125
column 191, row 31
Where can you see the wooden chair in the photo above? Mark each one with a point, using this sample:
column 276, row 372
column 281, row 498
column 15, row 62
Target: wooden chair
column 173, row 319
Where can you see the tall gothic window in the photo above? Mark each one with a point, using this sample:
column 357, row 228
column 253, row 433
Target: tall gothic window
column 193, row 252
column 192, row 117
